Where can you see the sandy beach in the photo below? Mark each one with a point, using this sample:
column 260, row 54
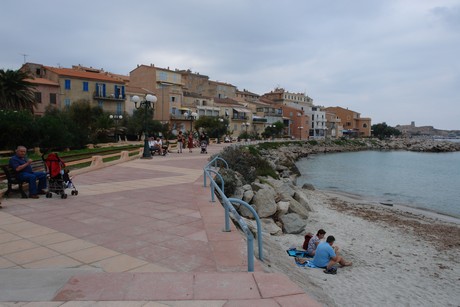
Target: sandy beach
column 400, row 257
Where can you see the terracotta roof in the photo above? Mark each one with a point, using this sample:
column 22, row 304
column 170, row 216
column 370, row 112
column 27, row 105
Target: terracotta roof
column 42, row 81
column 82, row 74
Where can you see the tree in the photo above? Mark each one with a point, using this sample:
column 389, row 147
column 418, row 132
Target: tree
column 213, row 126
column 17, row 128
column 15, row 92
column 383, row 131
column 273, row 130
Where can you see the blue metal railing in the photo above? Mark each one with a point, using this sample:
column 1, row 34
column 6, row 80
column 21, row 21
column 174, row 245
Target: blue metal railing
column 215, row 160
column 228, row 206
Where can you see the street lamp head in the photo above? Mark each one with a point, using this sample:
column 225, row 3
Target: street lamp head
column 151, row 98
column 120, row 116
column 194, row 114
column 111, row 116
column 135, row 99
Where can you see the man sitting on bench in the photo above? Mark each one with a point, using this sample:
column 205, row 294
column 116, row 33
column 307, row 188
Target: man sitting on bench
column 21, row 165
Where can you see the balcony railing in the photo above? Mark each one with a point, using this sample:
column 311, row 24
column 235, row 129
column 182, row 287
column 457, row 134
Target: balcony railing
column 109, row 97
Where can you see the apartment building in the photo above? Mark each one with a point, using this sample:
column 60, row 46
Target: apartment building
column 353, row 124
column 99, row 89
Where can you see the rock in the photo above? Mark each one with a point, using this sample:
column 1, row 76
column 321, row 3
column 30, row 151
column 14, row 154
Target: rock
column 264, row 202
column 293, row 223
column 308, row 186
column 296, row 207
column 283, row 208
column 247, row 187
column 248, row 195
column 239, row 193
column 302, row 199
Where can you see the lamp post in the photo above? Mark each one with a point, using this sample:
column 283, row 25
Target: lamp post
column 146, row 105
column 191, row 115
column 300, row 132
column 116, row 117
column 221, row 120
column 247, row 125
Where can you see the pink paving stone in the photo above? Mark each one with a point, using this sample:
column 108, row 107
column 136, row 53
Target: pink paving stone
column 95, row 286
column 268, row 302
column 160, row 286
column 274, row 284
column 299, row 300
column 221, row 286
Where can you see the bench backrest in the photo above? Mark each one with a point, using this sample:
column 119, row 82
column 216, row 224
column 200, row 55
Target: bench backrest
column 10, row 174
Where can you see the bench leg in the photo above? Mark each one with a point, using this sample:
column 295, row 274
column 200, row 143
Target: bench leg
column 23, row 194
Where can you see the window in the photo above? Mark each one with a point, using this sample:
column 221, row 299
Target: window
column 52, row 98
column 67, row 102
column 173, row 99
column 119, row 108
column 67, row 84
column 85, row 86
column 38, row 72
column 100, row 104
column 100, row 90
column 38, row 97
column 163, row 76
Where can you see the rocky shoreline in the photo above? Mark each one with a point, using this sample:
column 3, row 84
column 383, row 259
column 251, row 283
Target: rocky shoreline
column 367, row 232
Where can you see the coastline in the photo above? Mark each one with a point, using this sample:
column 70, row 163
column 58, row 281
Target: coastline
column 345, row 196
column 399, row 258
column 401, row 255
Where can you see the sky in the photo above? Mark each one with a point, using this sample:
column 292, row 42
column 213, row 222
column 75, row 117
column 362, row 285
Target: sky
column 395, row 61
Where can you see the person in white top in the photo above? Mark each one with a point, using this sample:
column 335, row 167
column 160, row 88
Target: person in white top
column 158, row 145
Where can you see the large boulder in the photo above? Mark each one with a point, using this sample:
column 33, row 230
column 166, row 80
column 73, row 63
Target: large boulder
column 298, row 208
column 264, row 202
column 293, row 223
column 283, row 208
column 302, row 199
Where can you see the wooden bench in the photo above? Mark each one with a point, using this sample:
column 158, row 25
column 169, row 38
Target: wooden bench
column 12, row 179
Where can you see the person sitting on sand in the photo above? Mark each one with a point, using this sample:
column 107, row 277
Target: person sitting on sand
column 326, row 256
column 314, row 241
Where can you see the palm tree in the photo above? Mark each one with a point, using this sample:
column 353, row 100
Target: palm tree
column 16, row 93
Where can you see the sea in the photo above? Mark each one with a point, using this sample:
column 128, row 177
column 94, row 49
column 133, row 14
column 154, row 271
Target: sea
column 427, row 181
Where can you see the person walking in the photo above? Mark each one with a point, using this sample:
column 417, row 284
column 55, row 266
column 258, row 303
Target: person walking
column 180, row 142
column 190, row 141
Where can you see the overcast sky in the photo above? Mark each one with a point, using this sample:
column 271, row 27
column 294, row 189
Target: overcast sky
column 395, row 61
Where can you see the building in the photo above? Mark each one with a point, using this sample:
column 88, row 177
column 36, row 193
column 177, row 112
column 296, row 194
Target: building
column 46, row 95
column 99, row 89
column 353, row 124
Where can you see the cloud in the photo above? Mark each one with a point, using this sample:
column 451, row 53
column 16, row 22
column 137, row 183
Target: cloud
column 393, row 61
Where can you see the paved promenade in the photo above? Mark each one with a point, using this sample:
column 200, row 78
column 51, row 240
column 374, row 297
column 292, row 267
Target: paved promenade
column 139, row 233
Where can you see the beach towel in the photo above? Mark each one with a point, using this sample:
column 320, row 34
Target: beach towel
column 308, row 263
column 297, row 253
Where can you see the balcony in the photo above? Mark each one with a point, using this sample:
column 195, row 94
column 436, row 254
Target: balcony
column 239, row 117
column 111, row 97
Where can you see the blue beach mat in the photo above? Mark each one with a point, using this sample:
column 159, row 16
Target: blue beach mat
column 297, row 253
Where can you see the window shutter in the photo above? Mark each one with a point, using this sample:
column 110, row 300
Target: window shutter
column 103, row 90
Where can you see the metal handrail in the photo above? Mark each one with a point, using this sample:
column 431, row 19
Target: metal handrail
column 228, row 206
column 216, row 158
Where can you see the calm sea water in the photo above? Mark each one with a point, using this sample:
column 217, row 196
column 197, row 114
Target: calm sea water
column 429, row 181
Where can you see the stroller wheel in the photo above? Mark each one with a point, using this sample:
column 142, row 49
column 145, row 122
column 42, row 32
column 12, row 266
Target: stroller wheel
column 64, row 196
column 73, row 192
column 49, row 195
column 76, row 192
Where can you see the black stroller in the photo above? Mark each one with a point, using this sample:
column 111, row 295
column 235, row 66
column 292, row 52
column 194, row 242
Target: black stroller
column 204, row 147
column 58, row 177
